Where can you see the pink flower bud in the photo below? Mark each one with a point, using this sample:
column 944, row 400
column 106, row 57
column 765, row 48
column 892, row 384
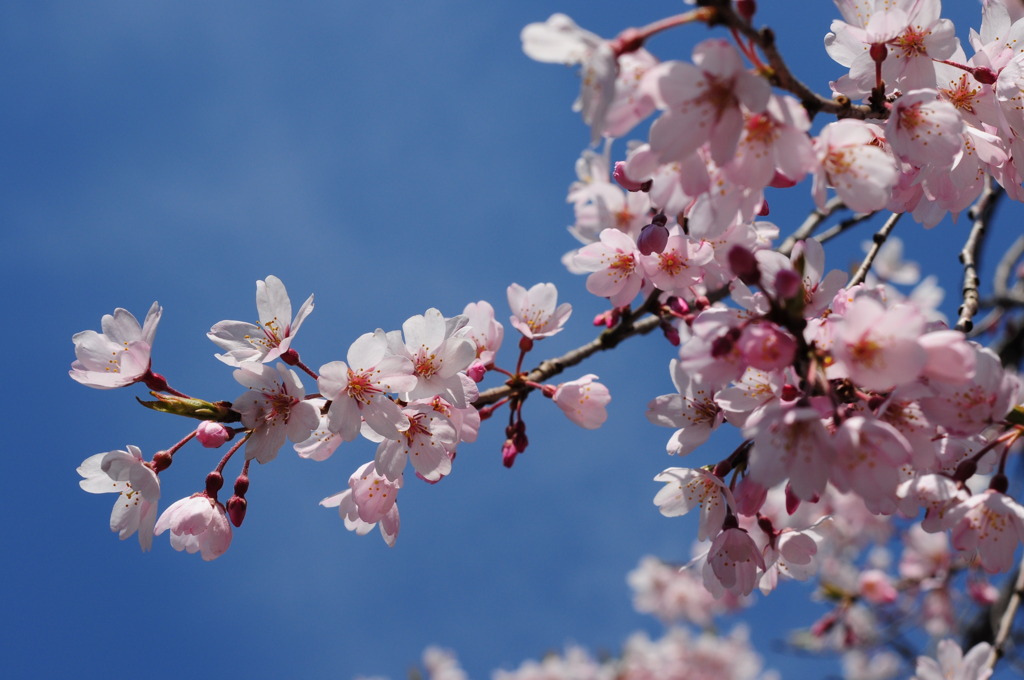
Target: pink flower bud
column 982, row 592
column 212, row 434
column 476, row 371
column 787, row 284
column 766, row 346
column 508, row 453
column 744, row 265
column 236, row 510
column 652, row 239
column 619, row 175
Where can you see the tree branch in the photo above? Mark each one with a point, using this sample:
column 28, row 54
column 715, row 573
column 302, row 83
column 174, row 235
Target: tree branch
column 811, row 224
column 879, row 240
column 981, row 212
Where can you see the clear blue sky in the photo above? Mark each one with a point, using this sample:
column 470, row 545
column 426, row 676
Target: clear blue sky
column 388, row 157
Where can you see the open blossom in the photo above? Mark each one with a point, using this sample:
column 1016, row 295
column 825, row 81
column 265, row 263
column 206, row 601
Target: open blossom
column 686, row 489
column 877, row 347
column 851, row 160
column 989, row 524
column 271, row 336
column 371, row 499
column 359, row 389
column 924, row 130
column 197, row 524
column 273, row 409
column 118, row 356
column 615, row 264
column 952, row 664
column 702, row 102
column 126, row 474
column 428, row 443
column 734, row 561
column 534, row 313
column 693, row 410
column 583, row 400
column 483, row 329
column 439, row 354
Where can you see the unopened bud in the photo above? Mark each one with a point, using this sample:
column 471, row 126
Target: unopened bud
column 161, row 461
column 787, row 284
column 619, row 175
column 212, row 434
column 744, row 265
column 476, row 371
column 508, row 453
column 763, row 210
column 652, row 239
column 236, row 510
column 214, row 482
column 671, row 333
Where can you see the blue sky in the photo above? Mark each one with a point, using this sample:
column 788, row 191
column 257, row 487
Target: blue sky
column 388, row 158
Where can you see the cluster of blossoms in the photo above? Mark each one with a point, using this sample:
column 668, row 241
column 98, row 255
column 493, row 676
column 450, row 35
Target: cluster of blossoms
column 856, row 403
column 410, row 391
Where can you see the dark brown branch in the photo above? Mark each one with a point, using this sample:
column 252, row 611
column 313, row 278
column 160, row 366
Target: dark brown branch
column 879, row 241
column 981, row 213
column 548, row 368
column 779, row 74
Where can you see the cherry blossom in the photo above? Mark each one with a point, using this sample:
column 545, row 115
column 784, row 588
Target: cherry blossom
column 126, row 474
column 734, row 561
column 989, row 524
column 583, row 400
column 439, row 355
column 377, row 498
column 686, row 489
column 534, row 311
column 952, row 664
column 273, row 409
column 358, row 390
column 118, row 356
column 271, row 336
column 197, row 524
column 851, row 160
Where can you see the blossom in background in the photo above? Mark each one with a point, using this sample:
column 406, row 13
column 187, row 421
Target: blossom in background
column 271, row 336
column 137, row 485
column 950, row 663
column 118, row 356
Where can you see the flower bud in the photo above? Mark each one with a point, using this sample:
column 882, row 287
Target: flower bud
column 788, row 284
column 652, row 239
column 744, row 265
column 619, row 175
column 212, row 434
column 214, row 482
column 508, row 453
column 476, row 371
column 236, row 510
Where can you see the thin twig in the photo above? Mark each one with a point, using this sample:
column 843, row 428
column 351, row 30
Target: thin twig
column 843, row 226
column 813, row 221
column 879, row 240
column 780, row 75
column 981, row 212
column 1006, row 620
column 552, row 367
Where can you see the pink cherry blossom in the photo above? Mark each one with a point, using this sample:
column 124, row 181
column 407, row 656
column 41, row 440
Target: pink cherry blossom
column 372, row 497
column 615, row 264
column 952, row 664
column 273, row 409
column 877, row 347
column 693, row 410
column 702, row 102
column 271, row 336
column 583, row 400
column 686, row 489
column 482, row 328
column 212, row 434
column 734, row 561
column 118, row 356
column 359, row 389
column 197, row 524
column 679, row 265
column 989, row 525
column 439, row 354
column 428, row 443
column 924, row 130
column 126, row 474
column 534, row 311
column 851, row 160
